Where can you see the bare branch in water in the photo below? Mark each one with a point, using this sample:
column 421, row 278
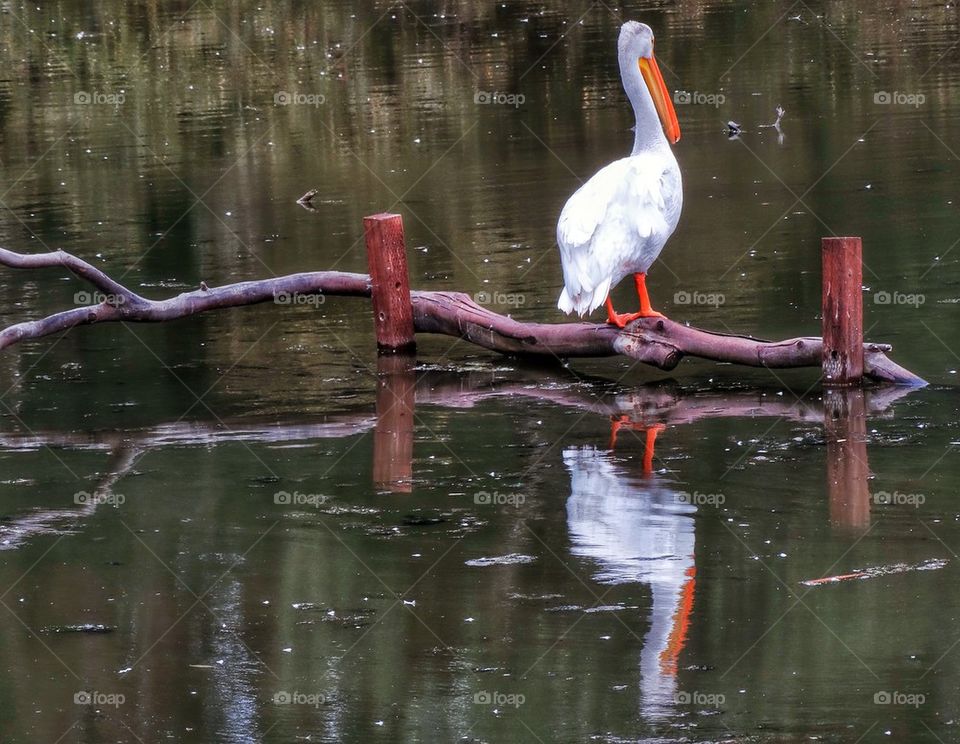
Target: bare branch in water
column 659, row 342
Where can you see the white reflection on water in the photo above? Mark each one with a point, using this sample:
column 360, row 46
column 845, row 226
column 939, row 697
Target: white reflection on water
column 234, row 672
column 639, row 531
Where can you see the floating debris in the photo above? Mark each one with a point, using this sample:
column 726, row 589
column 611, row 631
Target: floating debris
column 872, row 573
column 307, row 606
column 81, row 628
column 305, row 200
column 166, row 284
column 351, row 618
column 358, row 618
column 502, row 560
column 591, row 610
column 421, row 520
column 336, row 510
column 775, row 125
column 263, row 480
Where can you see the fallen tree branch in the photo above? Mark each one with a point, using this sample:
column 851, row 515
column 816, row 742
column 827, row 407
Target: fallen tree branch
column 659, row 342
column 122, row 304
column 77, row 266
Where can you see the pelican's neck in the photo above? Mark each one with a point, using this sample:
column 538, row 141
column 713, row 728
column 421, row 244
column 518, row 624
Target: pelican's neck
column 648, row 132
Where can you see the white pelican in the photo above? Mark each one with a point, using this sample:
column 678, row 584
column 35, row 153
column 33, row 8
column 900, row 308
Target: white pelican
column 618, row 221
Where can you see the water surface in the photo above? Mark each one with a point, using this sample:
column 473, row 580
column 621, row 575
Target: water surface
column 292, row 544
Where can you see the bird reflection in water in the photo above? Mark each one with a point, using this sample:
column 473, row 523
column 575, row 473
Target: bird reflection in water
column 639, row 529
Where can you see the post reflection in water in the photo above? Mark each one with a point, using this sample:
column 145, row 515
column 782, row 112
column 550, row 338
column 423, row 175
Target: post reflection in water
column 639, row 529
column 848, row 471
column 393, row 434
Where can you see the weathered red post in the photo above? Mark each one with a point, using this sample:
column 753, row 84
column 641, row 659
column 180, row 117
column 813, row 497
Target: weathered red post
column 842, row 311
column 387, row 259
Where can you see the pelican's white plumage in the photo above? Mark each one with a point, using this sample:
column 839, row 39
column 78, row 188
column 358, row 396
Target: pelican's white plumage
column 618, row 222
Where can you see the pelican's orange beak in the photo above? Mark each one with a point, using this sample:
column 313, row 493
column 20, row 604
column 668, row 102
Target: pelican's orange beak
column 661, row 97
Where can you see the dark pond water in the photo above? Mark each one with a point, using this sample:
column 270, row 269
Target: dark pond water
column 294, row 543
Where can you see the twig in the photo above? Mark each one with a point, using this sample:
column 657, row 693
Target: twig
column 306, row 200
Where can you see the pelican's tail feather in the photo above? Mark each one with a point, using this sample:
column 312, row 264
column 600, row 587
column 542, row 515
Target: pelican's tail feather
column 585, row 301
column 565, row 302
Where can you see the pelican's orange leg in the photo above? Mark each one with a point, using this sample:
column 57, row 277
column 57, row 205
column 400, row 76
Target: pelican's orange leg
column 646, row 309
column 620, row 320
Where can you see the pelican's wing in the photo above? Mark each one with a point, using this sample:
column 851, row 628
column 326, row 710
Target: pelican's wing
column 614, row 220
column 649, row 190
column 587, row 272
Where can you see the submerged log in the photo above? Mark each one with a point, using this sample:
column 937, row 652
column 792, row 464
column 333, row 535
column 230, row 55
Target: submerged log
column 659, row 342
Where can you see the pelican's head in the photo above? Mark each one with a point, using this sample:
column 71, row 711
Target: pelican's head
column 636, row 53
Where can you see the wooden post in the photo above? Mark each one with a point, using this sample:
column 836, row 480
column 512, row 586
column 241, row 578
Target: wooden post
column 842, row 311
column 387, row 259
column 393, row 434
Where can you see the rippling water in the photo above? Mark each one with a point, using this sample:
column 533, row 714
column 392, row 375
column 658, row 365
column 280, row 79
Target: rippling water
column 240, row 527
